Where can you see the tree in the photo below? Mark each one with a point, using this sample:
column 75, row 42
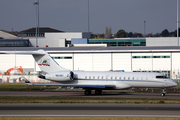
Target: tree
column 130, row 34
column 137, row 34
column 165, row 33
column 175, row 33
column 121, row 34
column 110, row 32
column 106, row 34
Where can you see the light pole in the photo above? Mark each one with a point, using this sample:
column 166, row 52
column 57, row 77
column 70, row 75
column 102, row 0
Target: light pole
column 177, row 24
column 144, row 28
column 88, row 16
column 36, row 3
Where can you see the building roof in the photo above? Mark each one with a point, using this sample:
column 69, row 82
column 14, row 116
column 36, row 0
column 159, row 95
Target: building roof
column 6, row 35
column 98, row 49
column 41, row 30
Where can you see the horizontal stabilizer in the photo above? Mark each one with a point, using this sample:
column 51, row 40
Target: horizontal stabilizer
column 27, row 82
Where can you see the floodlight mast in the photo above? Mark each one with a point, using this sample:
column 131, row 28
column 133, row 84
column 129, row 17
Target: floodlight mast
column 177, row 23
column 36, row 3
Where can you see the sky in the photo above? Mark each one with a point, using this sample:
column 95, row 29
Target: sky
column 72, row 15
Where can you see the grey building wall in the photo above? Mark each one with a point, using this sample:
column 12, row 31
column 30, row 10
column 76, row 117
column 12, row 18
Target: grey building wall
column 161, row 41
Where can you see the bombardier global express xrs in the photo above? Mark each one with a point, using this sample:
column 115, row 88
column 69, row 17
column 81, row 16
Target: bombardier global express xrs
column 96, row 80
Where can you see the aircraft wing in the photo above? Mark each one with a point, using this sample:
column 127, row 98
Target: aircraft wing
column 77, row 85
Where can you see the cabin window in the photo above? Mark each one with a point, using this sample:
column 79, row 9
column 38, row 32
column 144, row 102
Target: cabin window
column 85, row 77
column 93, row 77
column 89, row 77
column 111, row 77
column 119, row 77
column 102, row 77
column 128, row 78
column 98, row 77
column 132, row 78
column 124, row 78
column 115, row 77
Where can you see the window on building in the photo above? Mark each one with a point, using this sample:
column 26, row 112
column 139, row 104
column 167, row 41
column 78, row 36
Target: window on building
column 150, row 56
column 62, row 57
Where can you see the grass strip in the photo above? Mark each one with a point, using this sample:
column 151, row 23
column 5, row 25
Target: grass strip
column 99, row 118
column 22, row 87
column 33, row 99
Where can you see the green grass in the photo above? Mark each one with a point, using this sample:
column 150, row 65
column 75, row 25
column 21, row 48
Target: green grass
column 23, row 99
column 99, row 118
column 22, row 87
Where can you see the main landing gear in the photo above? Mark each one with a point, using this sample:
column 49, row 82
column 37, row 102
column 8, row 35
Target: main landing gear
column 163, row 93
column 88, row 92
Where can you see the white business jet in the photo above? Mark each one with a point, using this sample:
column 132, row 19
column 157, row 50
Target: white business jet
column 96, row 80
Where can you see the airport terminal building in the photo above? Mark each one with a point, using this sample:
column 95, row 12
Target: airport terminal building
column 145, row 59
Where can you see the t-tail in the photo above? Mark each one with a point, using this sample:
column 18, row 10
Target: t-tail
column 46, row 63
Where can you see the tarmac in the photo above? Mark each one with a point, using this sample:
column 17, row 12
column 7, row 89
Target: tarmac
column 90, row 110
column 81, row 94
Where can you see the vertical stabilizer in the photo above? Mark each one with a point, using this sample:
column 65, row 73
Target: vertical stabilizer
column 46, row 63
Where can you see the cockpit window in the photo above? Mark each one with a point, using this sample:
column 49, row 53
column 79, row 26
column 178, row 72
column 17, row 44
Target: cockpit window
column 161, row 77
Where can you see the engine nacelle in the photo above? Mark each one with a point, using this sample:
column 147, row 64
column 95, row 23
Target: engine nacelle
column 61, row 76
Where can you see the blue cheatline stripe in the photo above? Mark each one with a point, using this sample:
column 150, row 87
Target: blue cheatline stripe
column 76, row 85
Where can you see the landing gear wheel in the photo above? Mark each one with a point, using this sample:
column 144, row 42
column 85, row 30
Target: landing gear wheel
column 98, row 92
column 87, row 92
column 163, row 94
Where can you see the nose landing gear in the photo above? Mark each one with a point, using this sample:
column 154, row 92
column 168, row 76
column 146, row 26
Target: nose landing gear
column 163, row 93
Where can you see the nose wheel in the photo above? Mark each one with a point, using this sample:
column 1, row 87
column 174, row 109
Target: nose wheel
column 163, row 94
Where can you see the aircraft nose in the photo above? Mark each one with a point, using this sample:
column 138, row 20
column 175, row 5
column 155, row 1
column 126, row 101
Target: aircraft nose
column 173, row 83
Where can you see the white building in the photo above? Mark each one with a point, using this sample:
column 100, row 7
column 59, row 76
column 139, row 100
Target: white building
column 49, row 37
